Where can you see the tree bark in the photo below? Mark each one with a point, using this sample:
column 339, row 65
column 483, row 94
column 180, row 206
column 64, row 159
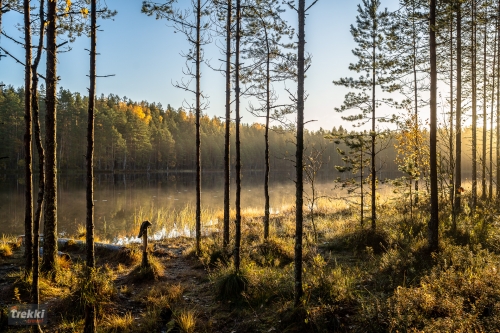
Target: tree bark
column 50, row 208
column 227, row 150
column 373, row 155
column 434, row 219
column 474, row 107
column 415, row 97
column 299, row 155
column 492, row 115
column 485, row 123
column 90, row 310
column 237, row 237
column 266, row 138
column 498, row 107
column 451, row 141
column 28, row 217
column 458, row 122
column 41, row 161
column 198, row 140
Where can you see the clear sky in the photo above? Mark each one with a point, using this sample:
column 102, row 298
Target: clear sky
column 144, row 54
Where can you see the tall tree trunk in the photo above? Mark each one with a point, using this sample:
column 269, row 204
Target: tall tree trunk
column 362, row 210
column 434, row 219
column 415, row 97
column 237, row 237
column 227, row 160
column 28, row 217
column 485, row 123
column 50, row 208
column 299, row 155
column 90, row 310
column 198, row 140
column 474, row 107
column 451, row 141
column 373, row 155
column 458, row 163
column 490, row 193
column 41, row 160
column 498, row 107
column 266, row 138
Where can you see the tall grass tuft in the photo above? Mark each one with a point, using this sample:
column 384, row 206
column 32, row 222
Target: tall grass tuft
column 229, row 285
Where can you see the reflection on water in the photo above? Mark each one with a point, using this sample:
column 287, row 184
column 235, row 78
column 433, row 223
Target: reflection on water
column 122, row 202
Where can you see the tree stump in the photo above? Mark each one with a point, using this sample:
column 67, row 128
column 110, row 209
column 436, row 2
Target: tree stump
column 143, row 232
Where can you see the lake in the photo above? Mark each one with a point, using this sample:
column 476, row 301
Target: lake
column 122, row 201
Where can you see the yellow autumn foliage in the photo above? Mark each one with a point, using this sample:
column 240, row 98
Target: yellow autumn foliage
column 84, row 12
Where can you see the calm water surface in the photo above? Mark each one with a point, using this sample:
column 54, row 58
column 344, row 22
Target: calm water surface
column 121, row 200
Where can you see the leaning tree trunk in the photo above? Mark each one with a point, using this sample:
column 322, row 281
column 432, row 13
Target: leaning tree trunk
column 458, row 124
column 434, row 220
column 299, row 156
column 90, row 311
column 41, row 161
column 227, row 160
column 237, row 236
column 28, row 218
column 50, row 208
column 198, row 140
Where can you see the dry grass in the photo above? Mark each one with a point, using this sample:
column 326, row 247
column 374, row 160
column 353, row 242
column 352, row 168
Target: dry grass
column 146, row 273
column 7, row 245
column 5, row 250
column 186, row 320
column 118, row 323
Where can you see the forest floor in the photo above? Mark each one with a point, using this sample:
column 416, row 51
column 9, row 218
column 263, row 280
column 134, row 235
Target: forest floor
column 184, row 282
column 355, row 279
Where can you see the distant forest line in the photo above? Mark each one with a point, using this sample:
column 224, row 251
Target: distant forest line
column 135, row 136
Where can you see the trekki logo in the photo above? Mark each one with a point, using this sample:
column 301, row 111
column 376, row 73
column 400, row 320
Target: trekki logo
column 27, row 314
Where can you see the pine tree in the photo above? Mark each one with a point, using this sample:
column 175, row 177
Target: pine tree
column 237, row 227
column 264, row 30
column 90, row 309
column 50, row 207
column 28, row 219
column 354, row 162
column 41, row 159
column 373, row 35
column 196, row 32
column 433, row 225
column 412, row 65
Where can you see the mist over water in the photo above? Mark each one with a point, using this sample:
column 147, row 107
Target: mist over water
column 122, row 201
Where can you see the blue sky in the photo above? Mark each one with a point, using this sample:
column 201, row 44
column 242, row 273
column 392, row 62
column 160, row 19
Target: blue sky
column 144, row 54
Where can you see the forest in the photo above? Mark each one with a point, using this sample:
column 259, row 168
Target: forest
column 406, row 240
column 140, row 136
